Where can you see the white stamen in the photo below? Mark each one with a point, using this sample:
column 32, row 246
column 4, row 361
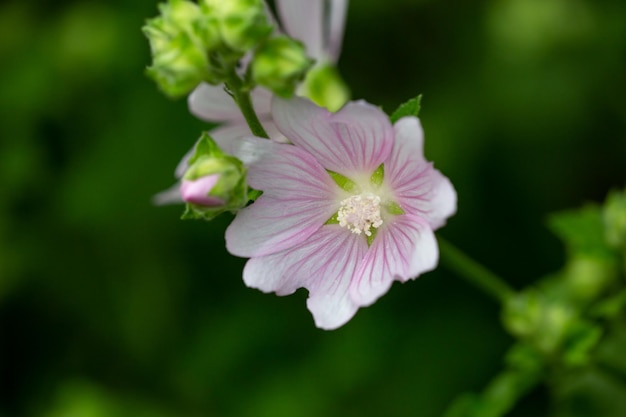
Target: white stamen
column 359, row 213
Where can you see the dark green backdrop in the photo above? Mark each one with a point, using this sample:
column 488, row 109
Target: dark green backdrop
column 111, row 307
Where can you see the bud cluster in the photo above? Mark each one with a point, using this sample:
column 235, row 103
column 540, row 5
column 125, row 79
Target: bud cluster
column 204, row 42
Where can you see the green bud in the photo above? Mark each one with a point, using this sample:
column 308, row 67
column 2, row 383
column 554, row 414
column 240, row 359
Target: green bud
column 213, row 183
column 325, row 87
column 614, row 216
column 180, row 40
column 243, row 24
column 280, row 64
column 541, row 321
column 588, row 277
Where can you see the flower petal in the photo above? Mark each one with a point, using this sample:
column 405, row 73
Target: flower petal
column 286, row 172
column 356, row 139
column 304, row 21
column 298, row 198
column 271, row 225
column 324, row 264
column 197, row 191
column 212, row 103
column 419, row 188
column 338, row 9
column 169, row 196
column 402, row 249
column 443, row 201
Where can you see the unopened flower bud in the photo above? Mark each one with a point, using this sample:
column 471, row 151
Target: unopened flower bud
column 243, row 24
column 213, row 183
column 198, row 191
column 324, row 86
column 280, row 64
column 180, row 39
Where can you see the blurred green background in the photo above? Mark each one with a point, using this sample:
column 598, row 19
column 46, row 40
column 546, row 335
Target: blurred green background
column 110, row 306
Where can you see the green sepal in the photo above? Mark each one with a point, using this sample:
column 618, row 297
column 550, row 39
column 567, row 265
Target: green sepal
column 371, row 237
column 205, row 146
column 333, row 220
column 393, row 208
column 254, row 194
column 410, row 108
column 378, row 176
column 343, row 182
column 193, row 212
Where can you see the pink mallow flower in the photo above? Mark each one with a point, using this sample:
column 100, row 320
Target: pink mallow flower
column 345, row 243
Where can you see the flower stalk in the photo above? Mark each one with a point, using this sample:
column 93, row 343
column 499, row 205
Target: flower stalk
column 473, row 272
column 241, row 95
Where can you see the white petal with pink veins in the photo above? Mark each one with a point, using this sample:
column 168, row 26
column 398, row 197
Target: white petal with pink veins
column 355, row 140
column 271, row 225
column 324, row 264
column 212, row 103
column 404, row 248
column 418, row 187
column 304, row 21
column 285, row 171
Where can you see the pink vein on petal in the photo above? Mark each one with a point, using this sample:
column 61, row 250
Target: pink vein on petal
column 356, row 139
column 271, row 225
column 402, row 249
column 324, row 264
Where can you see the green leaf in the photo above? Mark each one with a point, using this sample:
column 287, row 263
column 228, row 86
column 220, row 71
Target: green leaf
column 581, row 230
column 410, row 108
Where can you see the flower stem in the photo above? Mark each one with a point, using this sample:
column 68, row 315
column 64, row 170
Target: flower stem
column 474, row 272
column 242, row 98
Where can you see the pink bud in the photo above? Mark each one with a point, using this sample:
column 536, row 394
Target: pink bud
column 197, row 191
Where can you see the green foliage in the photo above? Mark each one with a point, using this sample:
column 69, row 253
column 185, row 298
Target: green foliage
column 409, row 108
column 614, row 217
column 523, row 371
column 581, row 230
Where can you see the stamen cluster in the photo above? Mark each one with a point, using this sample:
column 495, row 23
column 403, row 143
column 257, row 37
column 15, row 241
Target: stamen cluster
column 359, row 213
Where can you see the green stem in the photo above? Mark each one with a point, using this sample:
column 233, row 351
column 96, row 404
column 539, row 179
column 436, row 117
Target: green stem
column 474, row 272
column 242, row 98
